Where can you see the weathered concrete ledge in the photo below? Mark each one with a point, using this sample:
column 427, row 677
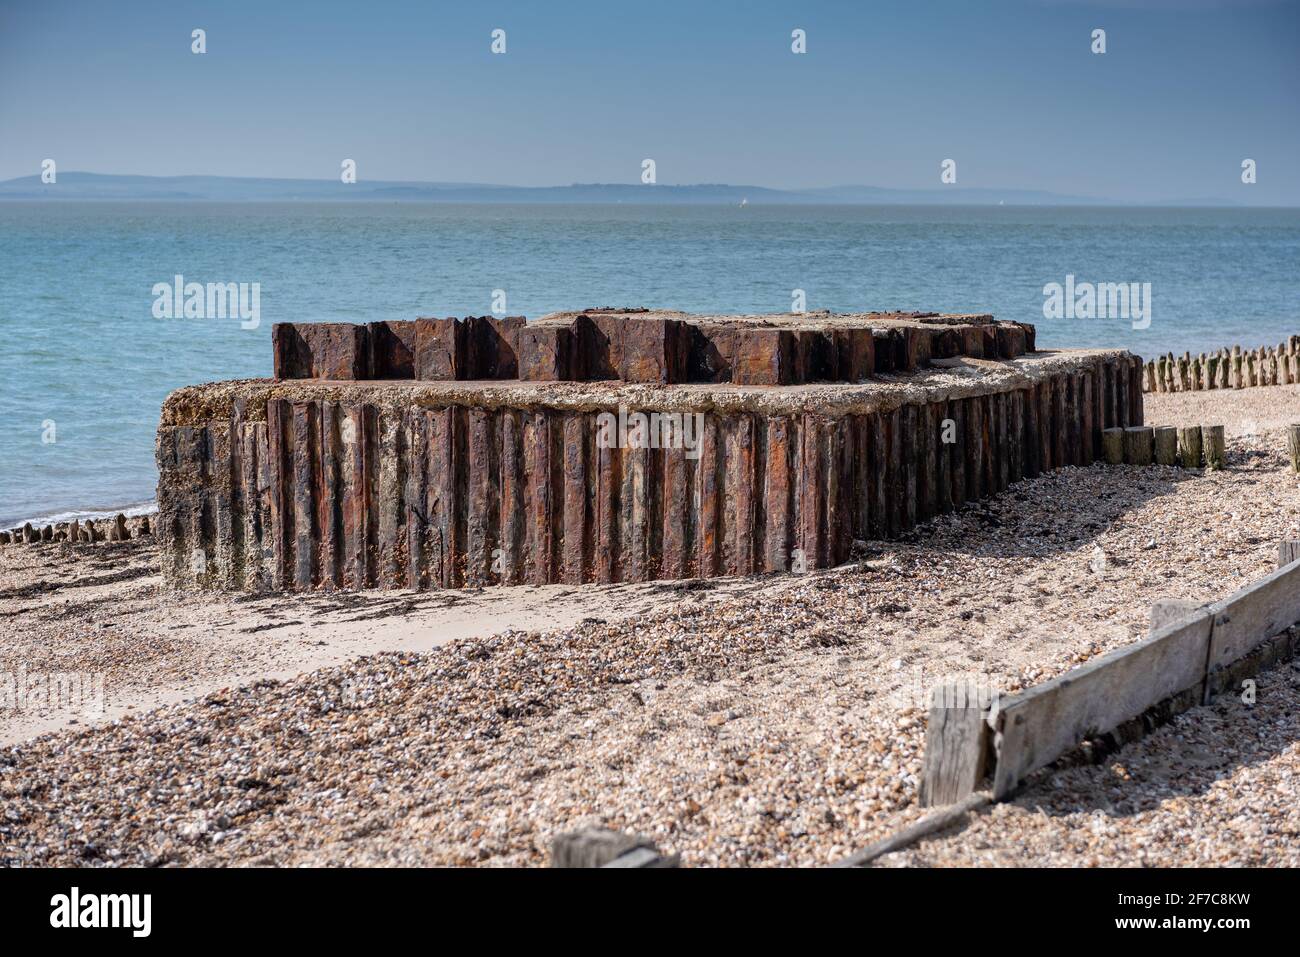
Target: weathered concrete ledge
column 311, row 484
column 952, row 379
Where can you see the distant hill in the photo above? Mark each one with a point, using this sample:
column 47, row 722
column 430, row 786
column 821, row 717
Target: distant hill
column 100, row 186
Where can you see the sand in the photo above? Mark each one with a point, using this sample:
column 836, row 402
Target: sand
column 103, row 609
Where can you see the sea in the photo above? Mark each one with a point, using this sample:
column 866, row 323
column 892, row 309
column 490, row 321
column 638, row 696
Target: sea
column 88, row 360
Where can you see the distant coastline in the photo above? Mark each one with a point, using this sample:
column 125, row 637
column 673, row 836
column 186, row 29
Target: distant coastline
column 84, row 186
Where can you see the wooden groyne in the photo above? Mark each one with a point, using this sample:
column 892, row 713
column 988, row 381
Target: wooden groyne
column 86, row 531
column 1228, row 368
column 1193, row 653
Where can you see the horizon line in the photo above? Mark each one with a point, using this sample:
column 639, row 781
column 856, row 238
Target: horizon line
column 1050, row 197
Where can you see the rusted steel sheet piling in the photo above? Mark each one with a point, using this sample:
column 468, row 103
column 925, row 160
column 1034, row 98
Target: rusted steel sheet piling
column 317, row 483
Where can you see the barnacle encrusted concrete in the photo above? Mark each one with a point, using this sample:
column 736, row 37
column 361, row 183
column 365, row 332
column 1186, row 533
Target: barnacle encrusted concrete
column 426, row 482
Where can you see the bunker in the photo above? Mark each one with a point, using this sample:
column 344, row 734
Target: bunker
column 443, row 453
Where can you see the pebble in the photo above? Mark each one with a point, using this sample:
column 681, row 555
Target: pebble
column 479, row 752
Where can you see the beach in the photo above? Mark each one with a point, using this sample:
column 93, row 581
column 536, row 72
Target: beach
column 775, row 720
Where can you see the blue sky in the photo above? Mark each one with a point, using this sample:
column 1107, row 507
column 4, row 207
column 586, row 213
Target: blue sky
column 711, row 91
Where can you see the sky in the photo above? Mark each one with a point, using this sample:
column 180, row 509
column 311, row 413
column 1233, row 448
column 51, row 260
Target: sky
column 710, row 90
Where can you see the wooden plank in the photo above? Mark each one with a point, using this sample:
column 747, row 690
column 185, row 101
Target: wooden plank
column 930, row 824
column 1252, row 615
column 956, row 738
column 1041, row 724
column 1166, row 611
column 1287, row 552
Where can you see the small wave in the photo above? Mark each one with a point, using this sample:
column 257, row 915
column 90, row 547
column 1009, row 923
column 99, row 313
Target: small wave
column 54, row 518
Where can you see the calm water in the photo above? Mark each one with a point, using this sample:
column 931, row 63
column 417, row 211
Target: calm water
column 85, row 352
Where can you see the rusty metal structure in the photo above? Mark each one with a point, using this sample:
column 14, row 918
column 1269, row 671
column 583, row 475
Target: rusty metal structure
column 443, row 453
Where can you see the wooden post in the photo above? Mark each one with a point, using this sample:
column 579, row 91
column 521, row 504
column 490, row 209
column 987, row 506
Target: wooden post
column 956, row 742
column 1139, row 442
column 1293, row 446
column 1166, row 445
column 1288, row 551
column 1189, row 447
column 1112, row 446
column 1212, row 443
